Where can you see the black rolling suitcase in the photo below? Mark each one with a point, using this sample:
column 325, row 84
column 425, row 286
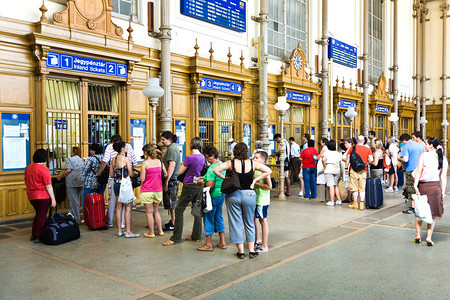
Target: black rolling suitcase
column 60, row 229
column 374, row 193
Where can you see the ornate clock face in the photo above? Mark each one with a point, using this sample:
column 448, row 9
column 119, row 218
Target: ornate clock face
column 298, row 61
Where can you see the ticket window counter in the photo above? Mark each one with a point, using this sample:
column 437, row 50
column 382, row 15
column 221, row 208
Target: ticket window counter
column 342, row 128
column 380, row 125
column 294, row 123
column 406, row 125
column 64, row 118
column 216, row 123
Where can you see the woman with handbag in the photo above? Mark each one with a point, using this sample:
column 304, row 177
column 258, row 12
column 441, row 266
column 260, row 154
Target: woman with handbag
column 240, row 196
column 121, row 170
column 192, row 166
column 152, row 174
column 39, row 191
column 376, row 168
column 213, row 219
column 331, row 160
column 431, row 180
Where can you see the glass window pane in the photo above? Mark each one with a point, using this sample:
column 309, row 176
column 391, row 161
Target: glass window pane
column 205, row 107
column 225, row 109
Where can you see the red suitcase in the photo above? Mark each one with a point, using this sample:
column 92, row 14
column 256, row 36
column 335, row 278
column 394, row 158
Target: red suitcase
column 94, row 211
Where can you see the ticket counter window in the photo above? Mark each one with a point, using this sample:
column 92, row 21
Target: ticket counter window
column 103, row 117
column 216, row 128
column 380, row 122
column 406, row 125
column 342, row 125
column 294, row 123
column 63, row 121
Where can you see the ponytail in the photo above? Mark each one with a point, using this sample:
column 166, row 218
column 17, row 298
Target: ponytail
column 439, row 150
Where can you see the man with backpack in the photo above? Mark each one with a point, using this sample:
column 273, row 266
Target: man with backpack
column 358, row 156
column 110, row 153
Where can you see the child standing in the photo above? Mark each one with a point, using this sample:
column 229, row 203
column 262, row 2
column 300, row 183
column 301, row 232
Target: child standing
column 262, row 190
column 152, row 170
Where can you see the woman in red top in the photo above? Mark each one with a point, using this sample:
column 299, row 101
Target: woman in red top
column 39, row 192
column 309, row 159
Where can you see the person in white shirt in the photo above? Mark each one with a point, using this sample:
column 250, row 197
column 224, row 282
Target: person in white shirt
column 231, row 143
column 109, row 154
column 295, row 159
column 393, row 155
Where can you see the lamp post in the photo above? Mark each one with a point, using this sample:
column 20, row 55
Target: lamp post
column 153, row 92
column 394, row 118
column 281, row 106
column 351, row 114
column 423, row 122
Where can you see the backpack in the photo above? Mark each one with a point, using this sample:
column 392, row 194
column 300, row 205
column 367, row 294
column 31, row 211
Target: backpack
column 356, row 161
column 104, row 176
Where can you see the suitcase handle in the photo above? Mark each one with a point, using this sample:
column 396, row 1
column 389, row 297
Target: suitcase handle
column 50, row 211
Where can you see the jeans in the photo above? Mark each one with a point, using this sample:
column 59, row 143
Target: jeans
column 214, row 219
column 309, row 178
column 241, row 206
column 189, row 193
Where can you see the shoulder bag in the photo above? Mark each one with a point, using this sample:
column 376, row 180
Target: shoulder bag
column 231, row 182
column 104, row 176
column 126, row 194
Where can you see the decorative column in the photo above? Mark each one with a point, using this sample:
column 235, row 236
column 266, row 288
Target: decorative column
column 417, row 74
column 324, row 74
column 424, row 66
column 43, row 102
column 444, row 7
column 395, row 69
column 165, row 38
column 365, row 59
column 263, row 61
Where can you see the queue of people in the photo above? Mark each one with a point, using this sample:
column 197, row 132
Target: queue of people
column 349, row 162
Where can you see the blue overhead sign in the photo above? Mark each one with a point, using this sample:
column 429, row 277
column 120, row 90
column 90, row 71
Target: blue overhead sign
column 226, row 13
column 84, row 64
column 382, row 109
column 342, row 53
column 301, row 97
column 346, row 103
column 220, row 85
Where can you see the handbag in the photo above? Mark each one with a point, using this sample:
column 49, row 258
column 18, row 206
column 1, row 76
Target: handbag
column 231, row 183
column 136, row 181
column 59, row 189
column 320, row 168
column 126, row 194
column 422, row 208
column 207, row 199
column 197, row 205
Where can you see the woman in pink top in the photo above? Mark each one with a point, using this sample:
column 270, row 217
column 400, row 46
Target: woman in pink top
column 431, row 180
column 151, row 189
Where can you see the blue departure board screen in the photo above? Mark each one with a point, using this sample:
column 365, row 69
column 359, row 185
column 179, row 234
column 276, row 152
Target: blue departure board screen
column 342, row 53
column 227, row 13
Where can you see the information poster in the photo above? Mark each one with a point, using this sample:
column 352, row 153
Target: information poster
column 138, row 137
column 15, row 141
column 180, row 132
column 271, row 140
column 248, row 138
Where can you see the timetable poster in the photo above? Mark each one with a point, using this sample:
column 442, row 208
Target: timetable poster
column 15, row 141
column 271, row 140
column 180, row 132
column 138, row 137
column 248, row 137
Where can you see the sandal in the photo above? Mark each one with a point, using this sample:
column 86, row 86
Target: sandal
column 222, row 246
column 189, row 238
column 149, row 235
column 169, row 243
column 161, row 233
column 240, row 255
column 205, row 248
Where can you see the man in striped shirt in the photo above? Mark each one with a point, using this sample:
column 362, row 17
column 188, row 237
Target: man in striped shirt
column 109, row 154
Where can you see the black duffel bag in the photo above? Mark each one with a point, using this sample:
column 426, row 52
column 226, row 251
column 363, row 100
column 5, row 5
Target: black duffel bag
column 60, row 229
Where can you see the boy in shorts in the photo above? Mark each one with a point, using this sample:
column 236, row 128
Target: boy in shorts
column 262, row 190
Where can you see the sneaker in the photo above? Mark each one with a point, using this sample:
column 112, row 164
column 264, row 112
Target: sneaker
column 338, row 202
column 329, row 203
column 168, row 227
column 389, row 190
column 110, row 225
column 410, row 210
column 395, row 189
column 300, row 194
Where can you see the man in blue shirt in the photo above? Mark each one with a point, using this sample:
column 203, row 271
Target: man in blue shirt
column 409, row 156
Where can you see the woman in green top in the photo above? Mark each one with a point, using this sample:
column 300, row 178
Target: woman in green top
column 213, row 220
